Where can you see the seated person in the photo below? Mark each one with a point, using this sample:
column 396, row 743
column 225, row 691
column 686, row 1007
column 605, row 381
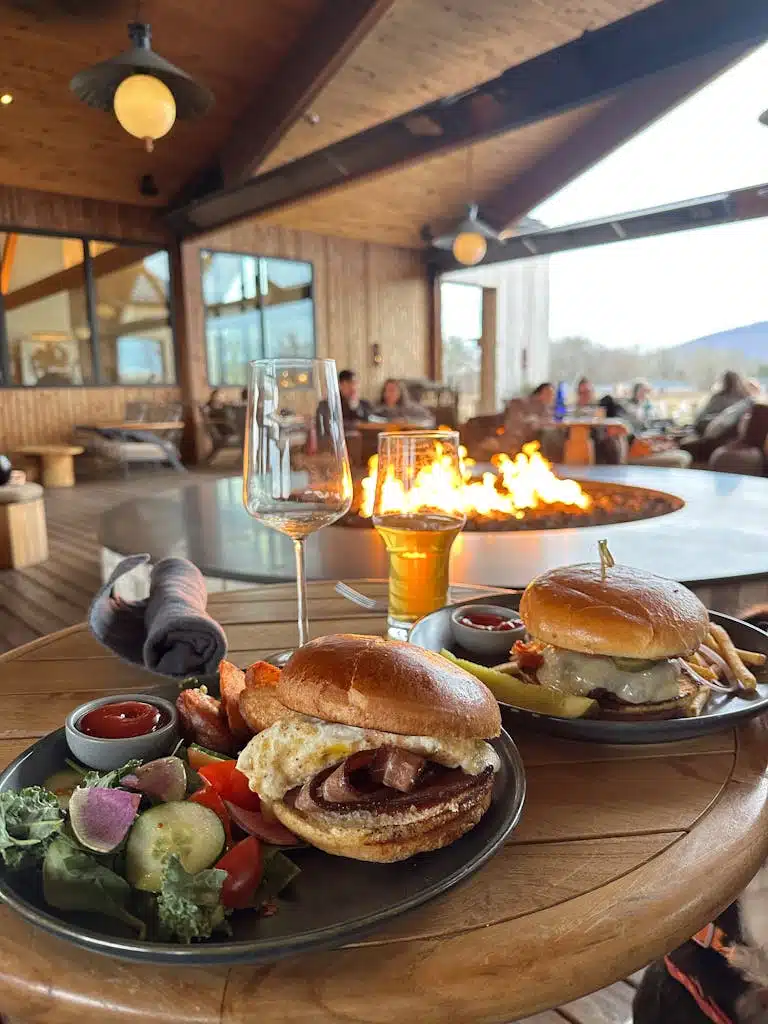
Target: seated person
column 353, row 408
column 531, row 419
column 644, row 448
column 732, row 390
column 396, row 406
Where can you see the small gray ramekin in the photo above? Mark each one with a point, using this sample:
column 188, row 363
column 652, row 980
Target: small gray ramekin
column 106, row 754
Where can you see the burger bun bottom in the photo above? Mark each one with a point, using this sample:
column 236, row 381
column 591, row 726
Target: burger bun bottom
column 385, row 838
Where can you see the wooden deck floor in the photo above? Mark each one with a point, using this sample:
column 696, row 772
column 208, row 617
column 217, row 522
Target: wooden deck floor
column 55, row 594
column 47, row 597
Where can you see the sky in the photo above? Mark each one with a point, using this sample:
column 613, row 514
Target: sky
column 662, row 291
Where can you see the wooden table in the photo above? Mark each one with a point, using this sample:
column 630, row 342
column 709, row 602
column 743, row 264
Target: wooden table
column 579, row 448
column 159, row 425
column 622, row 853
column 58, row 464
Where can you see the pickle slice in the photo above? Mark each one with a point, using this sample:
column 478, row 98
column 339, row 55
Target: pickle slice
column 527, row 696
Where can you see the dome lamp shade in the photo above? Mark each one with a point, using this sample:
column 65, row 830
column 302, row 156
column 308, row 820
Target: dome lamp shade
column 144, row 108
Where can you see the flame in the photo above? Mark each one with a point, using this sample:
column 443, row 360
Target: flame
column 523, row 482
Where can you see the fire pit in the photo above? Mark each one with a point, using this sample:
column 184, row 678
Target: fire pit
column 523, row 493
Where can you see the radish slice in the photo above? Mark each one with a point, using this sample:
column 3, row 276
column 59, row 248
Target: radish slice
column 694, row 675
column 100, row 818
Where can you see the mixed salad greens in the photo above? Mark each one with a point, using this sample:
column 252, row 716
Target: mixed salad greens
column 169, row 847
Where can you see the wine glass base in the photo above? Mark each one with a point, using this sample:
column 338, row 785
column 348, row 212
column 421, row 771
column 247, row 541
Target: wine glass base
column 279, row 658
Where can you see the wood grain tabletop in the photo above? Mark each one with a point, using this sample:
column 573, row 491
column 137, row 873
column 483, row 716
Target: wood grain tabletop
column 622, row 853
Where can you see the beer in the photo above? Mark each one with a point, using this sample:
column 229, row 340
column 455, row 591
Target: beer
column 419, row 548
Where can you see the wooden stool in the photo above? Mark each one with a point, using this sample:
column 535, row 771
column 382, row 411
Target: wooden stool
column 23, row 534
column 57, row 462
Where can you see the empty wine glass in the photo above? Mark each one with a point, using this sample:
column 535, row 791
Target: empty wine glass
column 296, row 476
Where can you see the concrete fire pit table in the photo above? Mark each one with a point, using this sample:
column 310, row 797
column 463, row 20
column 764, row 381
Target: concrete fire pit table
column 717, row 542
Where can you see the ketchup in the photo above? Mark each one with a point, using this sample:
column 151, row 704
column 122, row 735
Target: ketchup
column 489, row 622
column 122, row 719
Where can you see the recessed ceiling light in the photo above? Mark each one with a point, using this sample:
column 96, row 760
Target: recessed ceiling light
column 6, row 98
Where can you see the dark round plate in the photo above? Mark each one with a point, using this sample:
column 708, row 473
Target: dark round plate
column 434, row 633
column 332, row 902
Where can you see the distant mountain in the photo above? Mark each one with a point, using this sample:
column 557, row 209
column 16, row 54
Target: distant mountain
column 751, row 340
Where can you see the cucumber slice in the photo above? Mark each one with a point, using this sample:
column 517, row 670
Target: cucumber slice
column 191, row 831
column 63, row 784
column 528, row 696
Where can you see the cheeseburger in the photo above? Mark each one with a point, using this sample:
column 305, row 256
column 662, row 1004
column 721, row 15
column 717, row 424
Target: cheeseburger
column 382, row 753
column 615, row 634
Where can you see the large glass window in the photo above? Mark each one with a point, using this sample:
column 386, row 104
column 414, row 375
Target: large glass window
column 131, row 289
column 255, row 308
column 77, row 312
column 461, row 314
column 47, row 333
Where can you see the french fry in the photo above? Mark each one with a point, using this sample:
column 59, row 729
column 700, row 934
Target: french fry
column 712, row 640
column 696, row 660
column 728, row 650
column 702, row 669
column 698, row 703
column 752, row 658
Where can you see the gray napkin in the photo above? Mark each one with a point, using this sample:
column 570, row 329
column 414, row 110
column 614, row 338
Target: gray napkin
column 170, row 632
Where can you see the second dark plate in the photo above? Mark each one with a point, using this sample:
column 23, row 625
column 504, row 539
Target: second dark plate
column 434, row 633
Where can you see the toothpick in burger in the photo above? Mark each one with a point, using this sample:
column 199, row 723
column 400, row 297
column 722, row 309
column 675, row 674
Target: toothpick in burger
column 615, row 634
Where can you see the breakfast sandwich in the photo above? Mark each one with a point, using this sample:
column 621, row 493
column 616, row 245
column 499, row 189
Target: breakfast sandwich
column 384, row 754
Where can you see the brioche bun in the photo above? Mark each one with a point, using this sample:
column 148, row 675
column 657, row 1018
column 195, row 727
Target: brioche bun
column 629, row 614
column 390, row 836
column 387, row 685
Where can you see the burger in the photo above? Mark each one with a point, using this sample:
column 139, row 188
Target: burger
column 382, row 753
column 615, row 634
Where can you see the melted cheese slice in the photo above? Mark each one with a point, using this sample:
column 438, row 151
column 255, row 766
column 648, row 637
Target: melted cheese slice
column 296, row 748
column 571, row 672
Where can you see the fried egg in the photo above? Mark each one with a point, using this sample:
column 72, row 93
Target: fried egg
column 294, row 749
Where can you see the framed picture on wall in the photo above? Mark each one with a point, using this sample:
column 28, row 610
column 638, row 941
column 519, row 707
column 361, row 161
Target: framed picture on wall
column 48, row 359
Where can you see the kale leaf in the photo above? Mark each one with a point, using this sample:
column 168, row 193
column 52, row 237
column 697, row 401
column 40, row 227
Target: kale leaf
column 74, row 880
column 109, row 780
column 189, row 906
column 29, row 820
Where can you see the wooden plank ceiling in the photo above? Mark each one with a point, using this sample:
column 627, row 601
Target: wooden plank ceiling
column 51, row 141
column 419, row 51
column 425, row 49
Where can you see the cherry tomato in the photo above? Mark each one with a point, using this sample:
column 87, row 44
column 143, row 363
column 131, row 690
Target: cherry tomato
column 121, row 719
column 208, row 797
column 231, row 784
column 244, row 865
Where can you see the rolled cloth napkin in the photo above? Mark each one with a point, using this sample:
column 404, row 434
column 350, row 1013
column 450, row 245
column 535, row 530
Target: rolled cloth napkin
column 170, row 632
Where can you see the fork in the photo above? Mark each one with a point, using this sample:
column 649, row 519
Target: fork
column 369, row 603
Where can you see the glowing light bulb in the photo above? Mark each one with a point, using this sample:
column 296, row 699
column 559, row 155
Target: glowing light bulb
column 469, row 247
column 6, row 99
column 145, row 108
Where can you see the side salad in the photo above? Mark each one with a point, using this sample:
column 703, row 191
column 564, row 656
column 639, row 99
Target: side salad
column 170, row 847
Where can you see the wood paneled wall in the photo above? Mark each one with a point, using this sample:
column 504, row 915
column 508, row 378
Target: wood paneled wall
column 364, row 294
column 45, row 211
column 32, row 415
column 41, row 415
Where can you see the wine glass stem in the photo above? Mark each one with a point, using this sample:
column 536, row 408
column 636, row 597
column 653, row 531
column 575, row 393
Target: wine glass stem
column 301, row 592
